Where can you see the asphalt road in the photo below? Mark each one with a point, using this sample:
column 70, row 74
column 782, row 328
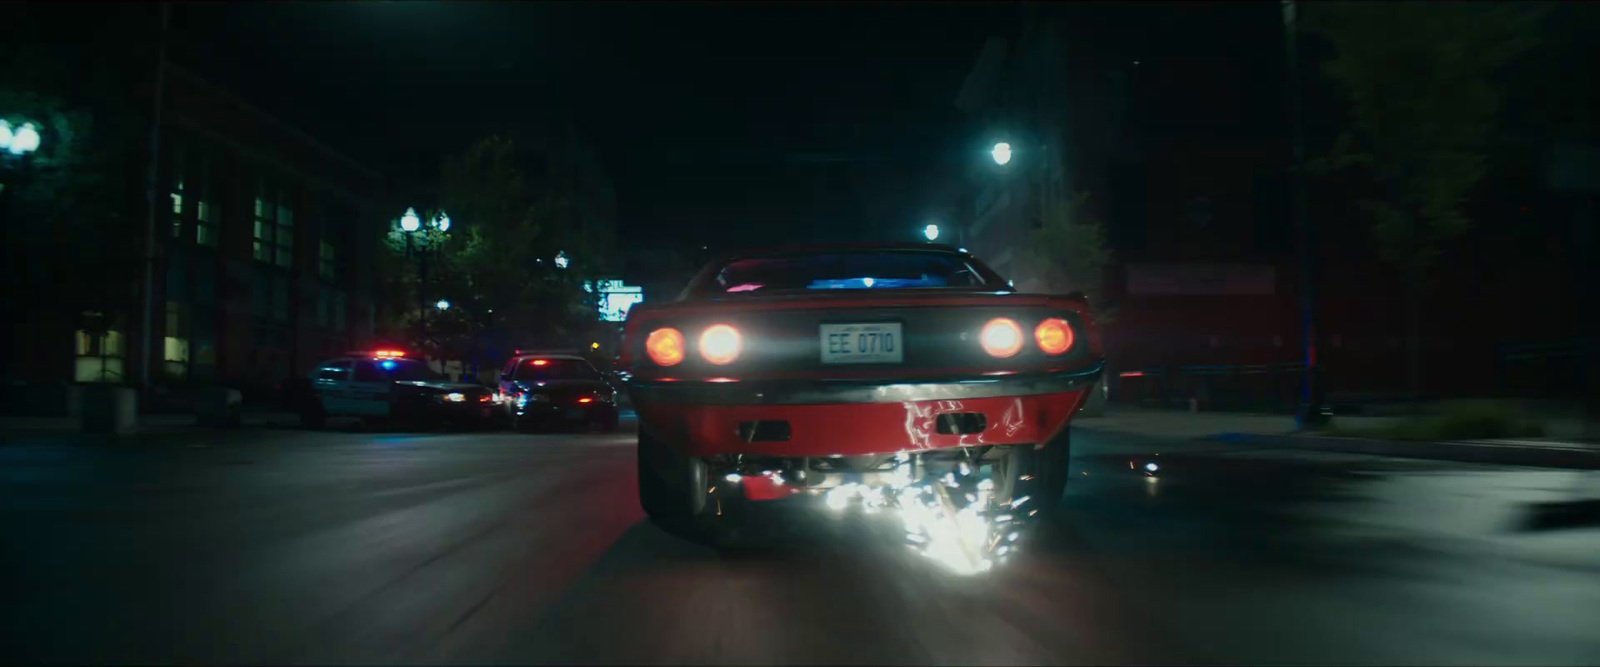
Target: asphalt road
column 272, row 547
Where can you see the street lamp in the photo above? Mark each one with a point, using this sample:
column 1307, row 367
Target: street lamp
column 1001, row 153
column 410, row 222
column 931, row 231
column 561, row 260
column 443, row 222
column 20, row 141
column 443, row 304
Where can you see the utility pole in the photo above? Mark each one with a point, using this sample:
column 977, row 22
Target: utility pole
column 1310, row 414
column 152, row 183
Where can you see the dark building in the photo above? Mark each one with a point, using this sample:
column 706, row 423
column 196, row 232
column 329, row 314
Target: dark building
column 265, row 241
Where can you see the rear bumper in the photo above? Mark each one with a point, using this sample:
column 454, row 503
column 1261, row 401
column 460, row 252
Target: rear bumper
column 856, row 418
column 535, row 413
column 459, row 411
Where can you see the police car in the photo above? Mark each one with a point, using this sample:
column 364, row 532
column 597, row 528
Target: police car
column 545, row 389
column 385, row 385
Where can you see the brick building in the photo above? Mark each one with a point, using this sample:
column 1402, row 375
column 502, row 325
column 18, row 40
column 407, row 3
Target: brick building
column 265, row 242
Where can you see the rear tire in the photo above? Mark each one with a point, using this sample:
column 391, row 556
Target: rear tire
column 674, row 490
column 1039, row 474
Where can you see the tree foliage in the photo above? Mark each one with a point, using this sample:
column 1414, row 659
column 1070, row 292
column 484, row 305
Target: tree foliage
column 511, row 215
column 1424, row 100
column 1420, row 80
column 75, row 202
column 1068, row 251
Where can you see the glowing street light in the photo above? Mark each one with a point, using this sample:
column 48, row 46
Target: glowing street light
column 1001, row 153
column 931, row 231
column 442, row 305
column 561, row 260
column 19, row 141
column 443, row 222
column 410, row 222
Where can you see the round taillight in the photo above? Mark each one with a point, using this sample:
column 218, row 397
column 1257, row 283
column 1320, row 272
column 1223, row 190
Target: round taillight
column 1001, row 337
column 665, row 346
column 720, row 344
column 1053, row 335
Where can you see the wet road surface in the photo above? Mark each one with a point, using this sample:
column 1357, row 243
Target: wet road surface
column 350, row 547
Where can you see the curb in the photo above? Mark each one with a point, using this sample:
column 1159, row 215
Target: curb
column 1468, row 452
column 151, row 430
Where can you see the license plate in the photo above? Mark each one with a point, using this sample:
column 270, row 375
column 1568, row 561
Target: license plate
column 877, row 343
column 575, row 413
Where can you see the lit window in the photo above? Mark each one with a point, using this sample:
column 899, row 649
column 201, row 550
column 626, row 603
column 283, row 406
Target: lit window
column 285, row 233
column 177, row 193
column 98, row 356
column 175, row 345
column 326, row 264
column 263, row 244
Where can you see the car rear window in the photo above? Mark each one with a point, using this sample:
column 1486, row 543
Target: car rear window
column 891, row 269
column 556, row 369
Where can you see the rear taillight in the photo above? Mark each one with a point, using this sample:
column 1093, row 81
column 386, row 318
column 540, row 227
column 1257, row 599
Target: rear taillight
column 1001, row 337
column 665, row 346
column 1053, row 335
column 720, row 344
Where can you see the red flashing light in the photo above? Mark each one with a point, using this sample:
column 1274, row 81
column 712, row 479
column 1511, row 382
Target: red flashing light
column 1133, row 374
column 586, row 399
column 388, row 354
column 541, row 362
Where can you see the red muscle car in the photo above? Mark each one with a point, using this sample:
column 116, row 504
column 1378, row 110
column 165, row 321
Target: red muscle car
column 814, row 369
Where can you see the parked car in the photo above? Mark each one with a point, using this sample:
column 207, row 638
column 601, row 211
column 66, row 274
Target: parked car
column 385, row 385
column 545, row 390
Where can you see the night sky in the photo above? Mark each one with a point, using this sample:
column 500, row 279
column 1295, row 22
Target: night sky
column 709, row 117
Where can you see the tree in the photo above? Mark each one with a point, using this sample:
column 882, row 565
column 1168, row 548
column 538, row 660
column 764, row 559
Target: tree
column 514, row 205
column 76, row 203
column 1420, row 79
column 1068, row 252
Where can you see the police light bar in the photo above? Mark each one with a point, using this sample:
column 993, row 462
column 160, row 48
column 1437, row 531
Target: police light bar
column 381, row 354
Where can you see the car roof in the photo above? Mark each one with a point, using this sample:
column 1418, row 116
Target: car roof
column 811, row 248
column 572, row 357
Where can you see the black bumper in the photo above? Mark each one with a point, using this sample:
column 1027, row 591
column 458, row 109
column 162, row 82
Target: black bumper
column 826, row 392
column 555, row 412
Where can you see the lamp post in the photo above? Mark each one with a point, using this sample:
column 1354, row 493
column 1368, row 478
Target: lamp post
column 931, row 231
column 152, row 198
column 1310, row 413
column 411, row 224
column 17, row 146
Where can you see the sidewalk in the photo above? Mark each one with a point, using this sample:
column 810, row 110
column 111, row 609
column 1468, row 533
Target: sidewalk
column 148, row 423
column 1562, row 449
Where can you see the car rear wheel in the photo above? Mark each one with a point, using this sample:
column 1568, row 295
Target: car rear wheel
column 673, row 489
column 1039, row 474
